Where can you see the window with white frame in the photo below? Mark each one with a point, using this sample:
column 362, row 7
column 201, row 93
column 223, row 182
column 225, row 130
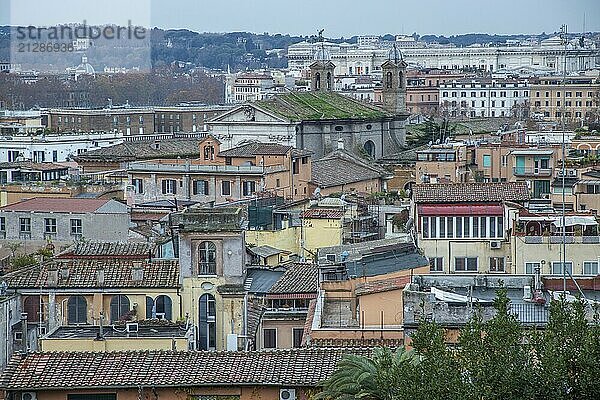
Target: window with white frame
column 49, row 225
column 557, row 267
column 468, row 264
column 25, row 225
column 496, row 264
column 491, row 227
column 590, row 267
column 169, row 186
column 530, row 267
column 76, row 226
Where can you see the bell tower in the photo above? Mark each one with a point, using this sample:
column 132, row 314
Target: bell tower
column 394, row 82
column 322, row 70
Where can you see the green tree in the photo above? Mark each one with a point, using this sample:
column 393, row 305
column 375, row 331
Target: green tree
column 568, row 353
column 438, row 375
column 495, row 355
column 388, row 375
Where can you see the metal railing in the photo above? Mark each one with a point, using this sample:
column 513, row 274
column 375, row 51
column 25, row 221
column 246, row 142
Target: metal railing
column 531, row 171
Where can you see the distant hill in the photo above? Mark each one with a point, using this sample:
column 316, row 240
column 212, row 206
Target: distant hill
column 244, row 50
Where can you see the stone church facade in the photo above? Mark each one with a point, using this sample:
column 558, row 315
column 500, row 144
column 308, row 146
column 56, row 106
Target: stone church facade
column 318, row 119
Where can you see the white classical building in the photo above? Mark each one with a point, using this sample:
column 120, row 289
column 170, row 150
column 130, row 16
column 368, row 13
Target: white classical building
column 484, row 98
column 363, row 59
column 53, row 147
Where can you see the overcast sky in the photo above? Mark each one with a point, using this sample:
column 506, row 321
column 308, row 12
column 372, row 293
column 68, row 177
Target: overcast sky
column 303, row 17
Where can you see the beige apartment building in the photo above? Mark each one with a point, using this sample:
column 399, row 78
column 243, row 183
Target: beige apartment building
column 503, row 162
column 444, row 164
column 577, row 97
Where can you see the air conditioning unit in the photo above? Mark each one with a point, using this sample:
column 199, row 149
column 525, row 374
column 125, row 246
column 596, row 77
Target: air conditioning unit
column 495, row 244
column 28, row 396
column 132, row 327
column 160, row 315
column 287, row 394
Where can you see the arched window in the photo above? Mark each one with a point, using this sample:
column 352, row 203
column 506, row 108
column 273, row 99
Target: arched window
column 150, row 310
column 119, row 307
column 164, row 307
column 400, row 80
column 370, row 148
column 77, row 310
column 207, row 258
column 388, row 80
column 32, row 307
column 329, row 81
column 318, row 81
column 207, row 331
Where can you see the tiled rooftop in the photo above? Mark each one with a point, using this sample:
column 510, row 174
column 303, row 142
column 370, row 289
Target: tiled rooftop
column 137, row 250
column 383, row 285
column 322, row 213
column 256, row 149
column 85, row 274
column 29, row 165
column 306, row 106
column 144, row 150
column 341, row 168
column 55, row 204
column 302, row 367
column 298, row 278
column 471, row 192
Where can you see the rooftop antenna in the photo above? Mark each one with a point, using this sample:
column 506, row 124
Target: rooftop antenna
column 563, row 35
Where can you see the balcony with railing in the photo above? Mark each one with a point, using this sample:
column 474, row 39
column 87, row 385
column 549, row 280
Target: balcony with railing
column 532, row 171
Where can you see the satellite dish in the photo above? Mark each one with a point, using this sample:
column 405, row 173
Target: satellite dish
column 317, row 192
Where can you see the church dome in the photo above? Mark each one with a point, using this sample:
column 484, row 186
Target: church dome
column 85, row 67
column 394, row 54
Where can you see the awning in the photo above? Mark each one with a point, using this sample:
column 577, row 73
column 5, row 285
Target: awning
column 450, row 297
column 572, row 220
column 589, row 181
column 461, row 209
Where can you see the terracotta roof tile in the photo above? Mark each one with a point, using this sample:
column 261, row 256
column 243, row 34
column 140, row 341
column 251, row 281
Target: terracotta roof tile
column 342, row 168
column 471, row 192
column 256, row 149
column 298, row 278
column 383, row 285
column 144, row 150
column 58, row 205
column 303, row 367
column 322, row 213
column 84, row 274
column 137, row 250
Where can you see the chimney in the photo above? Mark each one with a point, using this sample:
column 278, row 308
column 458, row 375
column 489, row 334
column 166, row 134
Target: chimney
column 64, row 272
column 100, row 277
column 52, row 277
column 137, row 272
